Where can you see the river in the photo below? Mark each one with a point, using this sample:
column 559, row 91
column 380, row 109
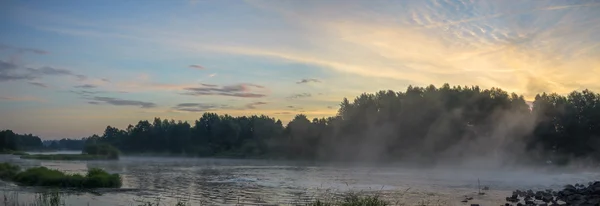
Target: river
column 209, row 181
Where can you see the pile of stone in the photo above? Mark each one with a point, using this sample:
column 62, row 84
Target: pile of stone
column 574, row 195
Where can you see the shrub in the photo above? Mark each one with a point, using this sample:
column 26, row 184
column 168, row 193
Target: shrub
column 100, row 178
column 8, row 171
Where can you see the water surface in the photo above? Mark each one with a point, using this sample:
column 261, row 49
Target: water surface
column 229, row 181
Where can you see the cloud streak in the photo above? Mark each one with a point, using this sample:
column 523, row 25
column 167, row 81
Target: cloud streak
column 253, row 105
column 195, row 66
column 304, row 81
column 39, row 84
column 122, row 102
column 22, row 99
column 300, row 95
column 198, row 107
column 22, row 50
column 11, row 72
column 86, row 86
column 237, row 90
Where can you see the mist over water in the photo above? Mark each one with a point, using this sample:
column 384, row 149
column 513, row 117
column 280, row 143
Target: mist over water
column 228, row 181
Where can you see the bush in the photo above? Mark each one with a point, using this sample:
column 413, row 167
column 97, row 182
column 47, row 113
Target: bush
column 42, row 176
column 8, row 171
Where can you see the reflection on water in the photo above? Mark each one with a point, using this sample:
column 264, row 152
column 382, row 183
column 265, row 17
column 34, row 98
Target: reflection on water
column 226, row 181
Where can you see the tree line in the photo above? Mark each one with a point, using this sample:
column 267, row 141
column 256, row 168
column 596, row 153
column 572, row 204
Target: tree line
column 423, row 124
column 10, row 141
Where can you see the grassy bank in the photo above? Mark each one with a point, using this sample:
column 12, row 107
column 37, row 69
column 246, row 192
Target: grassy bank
column 66, row 157
column 90, row 152
column 42, row 176
column 11, row 152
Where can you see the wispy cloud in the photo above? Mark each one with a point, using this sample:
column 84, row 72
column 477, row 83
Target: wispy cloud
column 199, row 107
column 10, row 71
column 510, row 13
column 86, row 86
column 300, row 95
column 122, row 102
column 209, row 85
column 39, row 84
column 254, row 104
column 195, row 66
column 22, row 99
column 54, row 71
column 304, row 81
column 237, row 90
column 22, row 49
column 86, row 93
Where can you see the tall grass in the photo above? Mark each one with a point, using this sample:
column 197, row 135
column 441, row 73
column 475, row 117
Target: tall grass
column 353, row 200
column 40, row 199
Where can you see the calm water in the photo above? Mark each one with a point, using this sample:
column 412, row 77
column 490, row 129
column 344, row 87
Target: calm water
column 228, row 181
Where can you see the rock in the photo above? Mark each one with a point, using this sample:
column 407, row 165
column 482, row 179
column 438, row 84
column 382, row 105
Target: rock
column 512, row 199
column 474, row 204
column 566, row 193
column 593, row 201
column 547, row 198
column 575, row 195
column 530, row 192
column 595, row 189
column 538, row 196
column 464, row 200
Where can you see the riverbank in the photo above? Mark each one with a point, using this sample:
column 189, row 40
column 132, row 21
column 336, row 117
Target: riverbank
column 56, row 198
column 67, row 157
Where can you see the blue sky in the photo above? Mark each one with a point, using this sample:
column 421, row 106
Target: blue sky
column 69, row 68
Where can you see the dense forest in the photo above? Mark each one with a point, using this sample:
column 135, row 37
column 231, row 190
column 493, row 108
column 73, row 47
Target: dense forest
column 424, row 124
column 421, row 124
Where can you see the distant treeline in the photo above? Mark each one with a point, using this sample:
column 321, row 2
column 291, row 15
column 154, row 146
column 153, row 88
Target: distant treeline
column 423, row 124
column 9, row 141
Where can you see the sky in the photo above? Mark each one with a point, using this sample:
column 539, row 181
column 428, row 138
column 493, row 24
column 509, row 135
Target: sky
column 69, row 68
